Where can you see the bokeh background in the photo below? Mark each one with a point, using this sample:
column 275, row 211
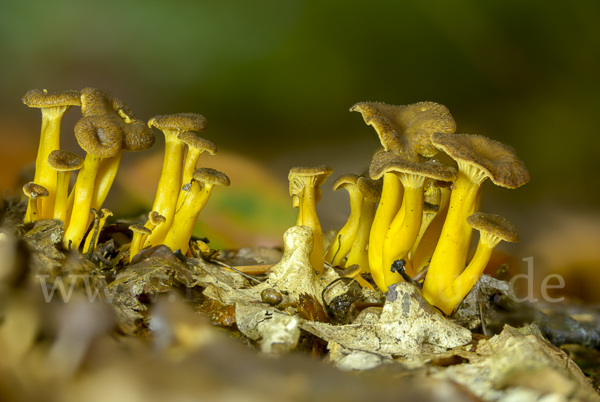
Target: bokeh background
column 275, row 79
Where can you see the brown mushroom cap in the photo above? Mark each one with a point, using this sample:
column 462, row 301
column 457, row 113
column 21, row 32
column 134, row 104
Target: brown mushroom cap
column 137, row 136
column 384, row 162
column 406, row 130
column 34, row 190
column 40, row 99
column 371, row 189
column 193, row 141
column 64, row 161
column 494, row 225
column 155, row 218
column 344, row 180
column 180, row 121
column 497, row 161
column 140, row 229
column 211, row 176
column 318, row 173
column 95, row 102
column 99, row 136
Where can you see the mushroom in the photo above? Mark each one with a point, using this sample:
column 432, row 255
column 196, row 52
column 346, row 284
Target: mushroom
column 405, row 130
column 154, row 219
column 53, row 107
column 139, row 232
column 344, row 238
column 94, row 234
column 180, row 232
column 405, row 226
column 195, row 147
column 136, row 135
column 478, row 158
column 100, row 138
column 389, row 205
column 63, row 162
column 305, row 192
column 492, row 230
column 425, row 247
column 371, row 190
column 169, row 184
column 33, row 191
column 429, row 212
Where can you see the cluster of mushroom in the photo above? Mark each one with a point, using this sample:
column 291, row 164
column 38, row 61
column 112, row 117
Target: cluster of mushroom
column 107, row 129
column 413, row 207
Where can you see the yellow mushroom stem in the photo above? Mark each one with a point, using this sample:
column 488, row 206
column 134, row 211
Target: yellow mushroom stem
column 425, row 222
column 426, row 246
column 308, row 212
column 32, row 214
column 49, row 141
column 359, row 253
column 389, row 205
column 461, row 286
column 62, row 195
column 169, row 185
column 450, row 254
column 105, row 178
column 95, row 234
column 82, row 202
column 136, row 241
column 339, row 249
column 404, row 228
column 180, row 232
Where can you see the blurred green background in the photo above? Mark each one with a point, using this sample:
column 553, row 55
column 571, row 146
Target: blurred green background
column 275, row 79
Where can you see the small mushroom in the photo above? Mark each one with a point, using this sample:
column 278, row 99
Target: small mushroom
column 170, row 182
column 63, row 162
column 154, row 219
column 478, row 158
column 33, row 191
column 91, row 241
column 342, row 243
column 53, row 106
column 359, row 255
column 305, row 192
column 492, row 230
column 180, row 232
column 139, row 232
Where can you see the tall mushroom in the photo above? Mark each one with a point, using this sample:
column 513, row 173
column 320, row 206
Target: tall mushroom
column 169, row 184
column 137, row 136
column 492, row 230
column 100, row 138
column 204, row 179
column 63, row 162
column 305, row 192
column 53, row 106
column 371, row 190
column 478, row 158
column 344, row 238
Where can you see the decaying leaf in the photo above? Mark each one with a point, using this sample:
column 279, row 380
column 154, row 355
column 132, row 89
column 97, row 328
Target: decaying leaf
column 276, row 332
column 519, row 356
column 407, row 321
